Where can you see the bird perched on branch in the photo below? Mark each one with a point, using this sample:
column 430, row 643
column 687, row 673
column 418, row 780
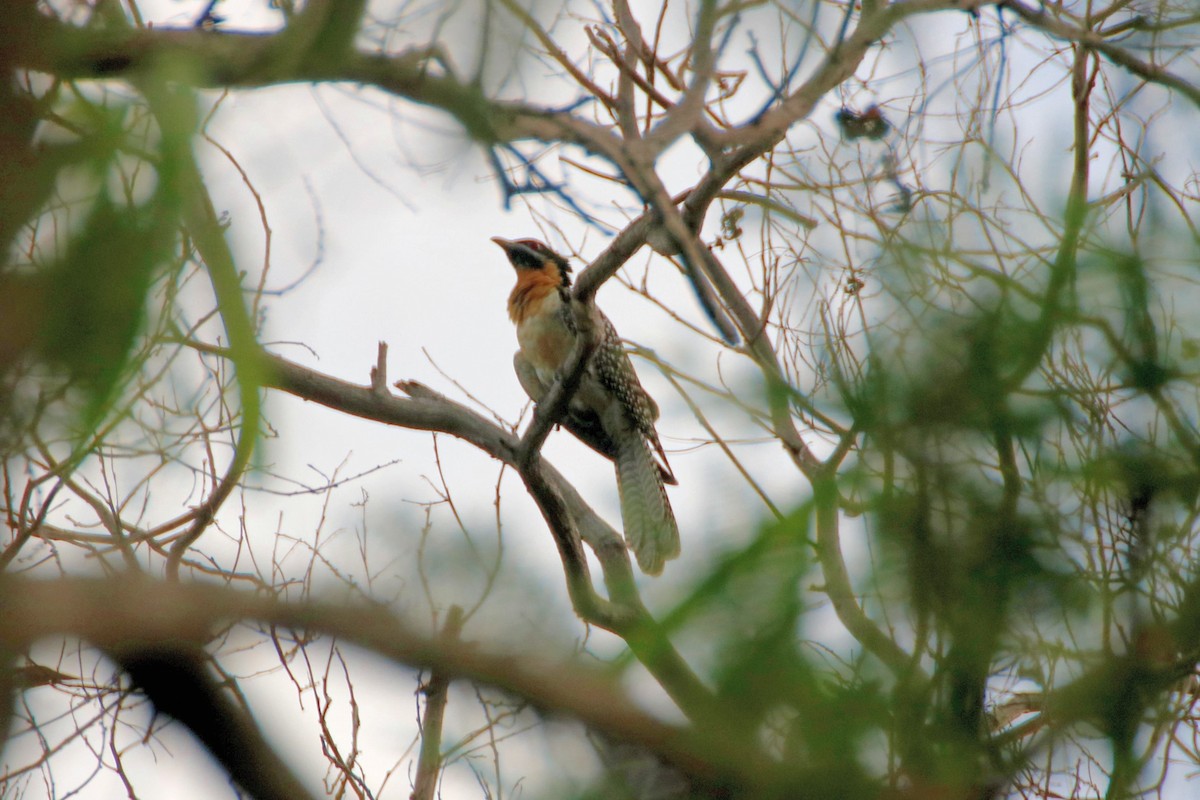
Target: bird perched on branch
column 610, row 412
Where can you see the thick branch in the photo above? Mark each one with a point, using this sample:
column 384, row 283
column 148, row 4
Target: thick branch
column 175, row 675
column 626, row 615
column 690, row 109
column 426, row 410
column 229, row 59
column 113, row 613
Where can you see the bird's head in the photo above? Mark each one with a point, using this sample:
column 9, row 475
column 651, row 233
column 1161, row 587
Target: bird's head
column 530, row 254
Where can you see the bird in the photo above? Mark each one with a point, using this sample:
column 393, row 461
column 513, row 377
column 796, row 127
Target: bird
column 610, row 412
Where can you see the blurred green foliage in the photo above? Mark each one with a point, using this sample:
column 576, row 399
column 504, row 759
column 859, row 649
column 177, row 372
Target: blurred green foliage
column 1029, row 529
column 73, row 295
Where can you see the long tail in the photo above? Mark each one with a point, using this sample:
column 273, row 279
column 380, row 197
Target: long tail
column 650, row 525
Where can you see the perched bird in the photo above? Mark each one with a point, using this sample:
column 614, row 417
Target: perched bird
column 610, row 412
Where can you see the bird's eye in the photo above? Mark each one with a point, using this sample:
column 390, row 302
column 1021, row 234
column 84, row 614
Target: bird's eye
column 533, row 245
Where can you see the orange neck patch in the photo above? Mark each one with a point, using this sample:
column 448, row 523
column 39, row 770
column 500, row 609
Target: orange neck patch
column 532, row 288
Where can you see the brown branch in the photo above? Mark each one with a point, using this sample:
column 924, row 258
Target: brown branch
column 232, row 59
column 556, row 52
column 113, row 613
column 570, row 518
column 773, row 206
column 626, row 64
column 840, row 590
column 689, row 111
column 714, row 435
column 1093, row 40
column 546, row 415
column 747, row 142
column 437, row 690
column 565, row 512
column 626, row 243
column 1063, row 267
column 697, row 260
column 553, row 405
column 175, row 675
column 604, row 44
column 175, row 111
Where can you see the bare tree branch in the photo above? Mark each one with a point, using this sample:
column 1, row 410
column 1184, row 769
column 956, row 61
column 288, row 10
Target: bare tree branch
column 561, row 506
column 437, row 690
column 134, row 616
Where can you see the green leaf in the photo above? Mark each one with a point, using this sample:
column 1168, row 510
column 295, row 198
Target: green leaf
column 97, row 295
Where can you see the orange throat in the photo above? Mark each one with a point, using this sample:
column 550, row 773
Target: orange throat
column 527, row 296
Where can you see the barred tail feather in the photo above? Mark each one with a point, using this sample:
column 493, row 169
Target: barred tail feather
column 646, row 512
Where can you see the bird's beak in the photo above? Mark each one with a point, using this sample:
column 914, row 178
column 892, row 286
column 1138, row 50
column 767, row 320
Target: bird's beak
column 505, row 244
